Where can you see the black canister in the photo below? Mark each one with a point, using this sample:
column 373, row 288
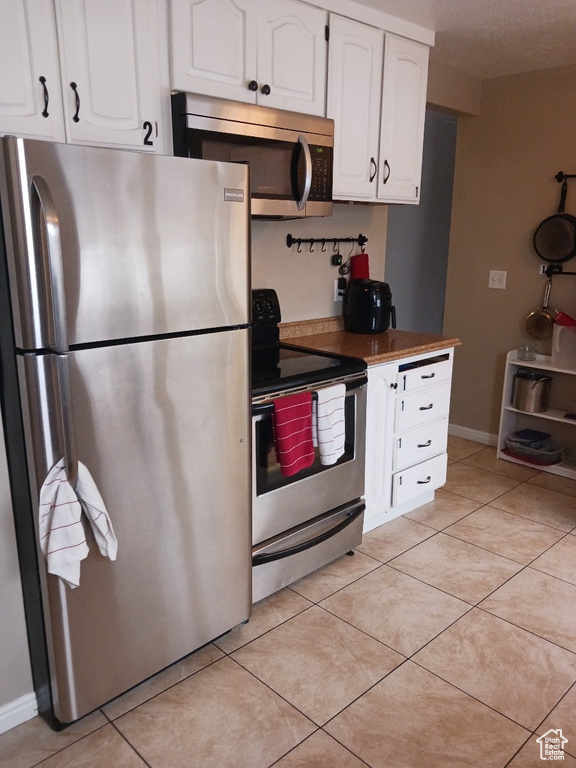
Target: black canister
column 368, row 307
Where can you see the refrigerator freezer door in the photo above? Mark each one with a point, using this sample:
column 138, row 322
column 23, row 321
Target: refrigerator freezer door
column 109, row 244
column 163, row 427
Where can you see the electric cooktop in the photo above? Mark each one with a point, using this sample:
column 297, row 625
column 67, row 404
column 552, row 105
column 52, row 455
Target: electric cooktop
column 277, row 366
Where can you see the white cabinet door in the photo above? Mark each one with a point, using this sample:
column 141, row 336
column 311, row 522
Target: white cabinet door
column 354, row 85
column 403, row 114
column 109, row 57
column 379, row 449
column 292, row 56
column 213, row 47
column 268, row 52
column 412, row 482
column 30, row 94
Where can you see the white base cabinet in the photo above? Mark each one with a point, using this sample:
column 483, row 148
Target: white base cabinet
column 551, row 421
column 406, row 434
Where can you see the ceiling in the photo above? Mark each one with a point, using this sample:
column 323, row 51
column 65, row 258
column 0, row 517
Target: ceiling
column 493, row 38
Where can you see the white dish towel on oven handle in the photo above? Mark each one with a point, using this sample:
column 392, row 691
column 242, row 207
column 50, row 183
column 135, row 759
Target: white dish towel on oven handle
column 328, row 422
column 62, row 538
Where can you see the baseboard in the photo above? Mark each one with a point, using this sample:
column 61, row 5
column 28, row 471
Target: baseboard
column 18, row 711
column 473, row 434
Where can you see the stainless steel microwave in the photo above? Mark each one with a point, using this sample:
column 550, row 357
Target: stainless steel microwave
column 290, row 154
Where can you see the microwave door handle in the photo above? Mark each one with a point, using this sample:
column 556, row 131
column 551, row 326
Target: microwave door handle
column 308, row 177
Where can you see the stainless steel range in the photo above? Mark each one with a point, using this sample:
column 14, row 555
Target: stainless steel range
column 304, row 520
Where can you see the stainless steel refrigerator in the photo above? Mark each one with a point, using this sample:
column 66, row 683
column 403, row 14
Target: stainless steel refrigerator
column 124, row 299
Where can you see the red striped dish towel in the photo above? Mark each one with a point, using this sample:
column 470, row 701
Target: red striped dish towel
column 62, row 538
column 293, row 432
column 328, row 423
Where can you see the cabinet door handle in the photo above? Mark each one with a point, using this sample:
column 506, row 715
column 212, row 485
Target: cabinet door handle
column 394, row 386
column 423, row 482
column 426, row 407
column 425, row 445
column 252, row 85
column 265, row 89
column 45, row 112
column 428, row 376
column 386, row 175
column 74, row 87
column 374, row 165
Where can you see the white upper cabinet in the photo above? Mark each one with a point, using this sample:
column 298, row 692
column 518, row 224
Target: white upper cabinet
column 292, row 56
column 403, row 114
column 354, row 86
column 109, row 57
column 83, row 71
column 269, row 52
column 213, row 47
column 377, row 98
column 30, row 94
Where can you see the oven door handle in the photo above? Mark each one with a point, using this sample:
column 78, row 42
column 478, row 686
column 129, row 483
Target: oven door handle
column 269, row 557
column 260, row 409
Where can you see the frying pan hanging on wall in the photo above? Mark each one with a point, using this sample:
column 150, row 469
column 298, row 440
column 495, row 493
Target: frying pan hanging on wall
column 555, row 237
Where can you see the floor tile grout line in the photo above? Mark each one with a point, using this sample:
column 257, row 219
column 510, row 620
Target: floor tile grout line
column 406, row 658
column 76, row 741
column 119, row 732
column 522, row 746
column 529, row 631
column 523, row 517
column 164, row 690
column 321, row 729
column 532, row 731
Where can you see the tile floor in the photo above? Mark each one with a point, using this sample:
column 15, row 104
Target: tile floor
column 447, row 641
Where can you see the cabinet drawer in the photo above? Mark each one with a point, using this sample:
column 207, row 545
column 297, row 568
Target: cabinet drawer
column 429, row 405
column 420, row 444
column 424, row 375
column 416, row 480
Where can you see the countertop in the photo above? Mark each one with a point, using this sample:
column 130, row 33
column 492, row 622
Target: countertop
column 328, row 335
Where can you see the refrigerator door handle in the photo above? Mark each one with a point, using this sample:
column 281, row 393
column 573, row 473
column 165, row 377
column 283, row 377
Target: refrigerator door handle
column 45, row 384
column 48, row 249
column 67, row 419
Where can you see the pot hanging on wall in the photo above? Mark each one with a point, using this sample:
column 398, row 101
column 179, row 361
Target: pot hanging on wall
column 555, row 238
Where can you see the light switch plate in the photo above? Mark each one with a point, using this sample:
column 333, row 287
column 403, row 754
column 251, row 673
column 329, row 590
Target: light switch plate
column 497, row 279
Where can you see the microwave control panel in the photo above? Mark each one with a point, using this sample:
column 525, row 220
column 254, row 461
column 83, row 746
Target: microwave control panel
column 321, row 188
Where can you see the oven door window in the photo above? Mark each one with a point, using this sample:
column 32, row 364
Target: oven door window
column 268, row 474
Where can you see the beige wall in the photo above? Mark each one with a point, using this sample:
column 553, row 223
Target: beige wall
column 305, row 281
column 452, row 90
column 504, row 185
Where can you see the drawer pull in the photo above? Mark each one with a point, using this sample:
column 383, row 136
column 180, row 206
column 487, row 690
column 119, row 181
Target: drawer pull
column 425, row 445
column 423, row 482
column 428, row 376
column 426, row 407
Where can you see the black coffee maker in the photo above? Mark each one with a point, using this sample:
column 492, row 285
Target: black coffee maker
column 368, row 307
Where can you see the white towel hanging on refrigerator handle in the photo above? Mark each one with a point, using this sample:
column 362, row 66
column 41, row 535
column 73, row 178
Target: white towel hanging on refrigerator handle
column 62, row 538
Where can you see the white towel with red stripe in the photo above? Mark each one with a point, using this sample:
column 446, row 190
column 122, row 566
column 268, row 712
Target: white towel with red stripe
column 293, row 432
column 328, row 423
column 62, row 538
